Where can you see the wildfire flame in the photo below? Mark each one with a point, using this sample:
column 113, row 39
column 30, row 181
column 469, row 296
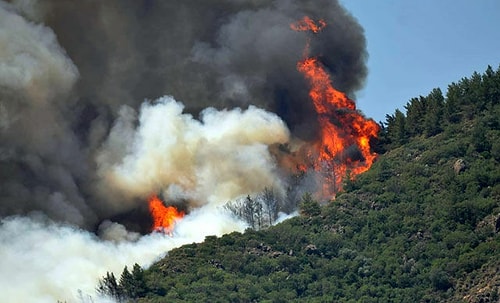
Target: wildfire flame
column 342, row 128
column 307, row 24
column 164, row 217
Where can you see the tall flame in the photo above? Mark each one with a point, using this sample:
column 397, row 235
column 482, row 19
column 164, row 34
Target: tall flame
column 344, row 141
column 164, row 217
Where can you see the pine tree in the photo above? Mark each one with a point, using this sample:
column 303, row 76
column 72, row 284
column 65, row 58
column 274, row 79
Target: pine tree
column 415, row 114
column 127, row 283
column 139, row 287
column 309, row 207
column 396, row 128
column 434, row 115
column 108, row 286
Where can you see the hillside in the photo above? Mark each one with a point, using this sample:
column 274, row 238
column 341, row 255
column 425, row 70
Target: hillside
column 422, row 225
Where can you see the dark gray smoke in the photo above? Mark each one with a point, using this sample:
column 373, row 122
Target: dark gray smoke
column 67, row 67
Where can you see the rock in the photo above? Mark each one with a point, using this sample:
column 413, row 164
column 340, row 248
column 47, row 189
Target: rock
column 459, row 166
column 311, row 249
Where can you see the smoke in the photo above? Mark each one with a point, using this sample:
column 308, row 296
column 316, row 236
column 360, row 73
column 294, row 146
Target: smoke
column 43, row 261
column 80, row 71
column 217, row 158
column 80, row 145
column 222, row 53
column 41, row 160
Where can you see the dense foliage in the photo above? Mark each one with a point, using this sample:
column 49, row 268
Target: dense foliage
column 422, row 225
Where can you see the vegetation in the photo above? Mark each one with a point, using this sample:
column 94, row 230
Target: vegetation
column 260, row 211
column 422, row 225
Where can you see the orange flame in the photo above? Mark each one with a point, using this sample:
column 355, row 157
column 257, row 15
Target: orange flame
column 343, row 128
column 307, row 24
column 164, row 217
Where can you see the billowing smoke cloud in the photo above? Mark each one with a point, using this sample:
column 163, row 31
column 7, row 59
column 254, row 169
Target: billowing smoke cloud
column 221, row 53
column 213, row 160
column 40, row 157
column 79, row 143
column 43, row 261
column 65, row 81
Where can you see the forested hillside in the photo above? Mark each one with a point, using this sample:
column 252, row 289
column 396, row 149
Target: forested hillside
column 422, row 225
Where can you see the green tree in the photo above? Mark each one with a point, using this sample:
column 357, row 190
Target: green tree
column 415, row 114
column 440, row 279
column 479, row 140
column 434, row 113
column 396, row 128
column 108, row 286
column 309, row 207
column 452, row 110
column 133, row 284
column 127, row 283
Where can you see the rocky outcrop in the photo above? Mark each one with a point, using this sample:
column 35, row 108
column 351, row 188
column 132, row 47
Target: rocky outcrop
column 459, row 166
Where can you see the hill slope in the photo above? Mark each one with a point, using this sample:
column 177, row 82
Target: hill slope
column 422, row 225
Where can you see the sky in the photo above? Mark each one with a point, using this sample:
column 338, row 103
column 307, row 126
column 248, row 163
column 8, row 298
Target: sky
column 415, row 46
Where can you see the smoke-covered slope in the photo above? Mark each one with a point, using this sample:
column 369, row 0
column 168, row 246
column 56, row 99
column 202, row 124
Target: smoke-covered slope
column 106, row 103
column 423, row 224
column 74, row 74
column 65, row 80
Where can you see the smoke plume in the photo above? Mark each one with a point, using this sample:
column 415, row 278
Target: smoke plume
column 43, row 261
column 209, row 161
column 71, row 78
column 88, row 131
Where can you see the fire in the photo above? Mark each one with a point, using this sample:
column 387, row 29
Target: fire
column 344, row 141
column 307, row 24
column 164, row 217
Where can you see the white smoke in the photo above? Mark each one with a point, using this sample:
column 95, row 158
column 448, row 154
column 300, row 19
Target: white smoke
column 43, row 261
column 209, row 161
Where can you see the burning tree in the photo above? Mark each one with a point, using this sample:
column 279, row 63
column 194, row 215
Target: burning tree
column 345, row 134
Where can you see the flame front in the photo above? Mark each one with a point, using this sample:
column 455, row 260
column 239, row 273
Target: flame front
column 164, row 217
column 344, row 139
